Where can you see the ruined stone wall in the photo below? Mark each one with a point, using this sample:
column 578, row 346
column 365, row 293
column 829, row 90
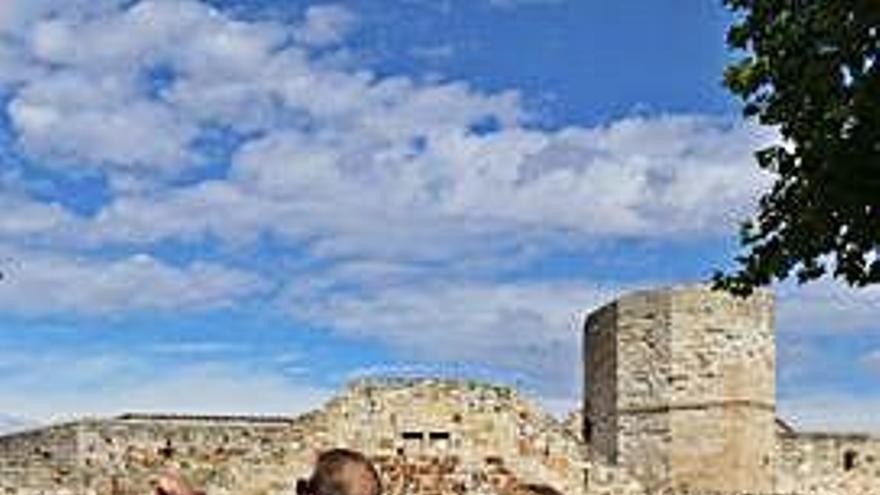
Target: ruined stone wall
column 817, row 464
column 122, row 456
column 41, row 459
column 475, row 423
column 26, row 447
column 425, row 435
column 574, row 424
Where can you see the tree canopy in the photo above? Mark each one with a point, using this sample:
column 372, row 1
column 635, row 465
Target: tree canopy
column 810, row 69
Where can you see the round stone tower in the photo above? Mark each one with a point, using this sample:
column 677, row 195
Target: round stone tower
column 680, row 388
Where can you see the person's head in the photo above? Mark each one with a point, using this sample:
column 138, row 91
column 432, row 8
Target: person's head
column 341, row 472
column 536, row 489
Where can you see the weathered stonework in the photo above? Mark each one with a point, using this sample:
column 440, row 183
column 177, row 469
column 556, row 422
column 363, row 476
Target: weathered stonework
column 427, row 437
column 681, row 392
column 681, row 388
column 828, row 463
column 680, row 398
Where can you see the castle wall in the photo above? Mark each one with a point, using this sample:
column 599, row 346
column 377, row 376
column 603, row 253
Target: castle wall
column 474, row 424
column 122, row 456
column 42, row 459
column 818, row 464
column 28, row 447
column 424, row 435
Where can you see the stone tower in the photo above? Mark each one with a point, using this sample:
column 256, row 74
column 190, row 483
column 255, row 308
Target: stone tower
column 680, row 388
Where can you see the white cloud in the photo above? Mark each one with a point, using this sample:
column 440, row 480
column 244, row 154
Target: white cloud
column 531, row 329
column 124, row 133
column 828, row 306
column 17, row 15
column 11, row 423
column 370, row 196
column 324, row 25
column 114, row 383
column 41, row 283
column 23, row 218
column 832, row 412
column 387, row 174
column 338, row 148
column 94, row 110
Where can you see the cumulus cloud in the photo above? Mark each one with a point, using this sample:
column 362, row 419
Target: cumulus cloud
column 357, row 195
column 325, row 25
column 114, row 383
column 329, row 149
column 531, row 330
column 16, row 15
column 24, row 218
column 40, row 283
column 94, row 108
column 827, row 306
column 11, row 423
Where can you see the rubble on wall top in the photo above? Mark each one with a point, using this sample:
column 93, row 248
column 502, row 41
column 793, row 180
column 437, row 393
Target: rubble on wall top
column 204, row 418
column 398, row 382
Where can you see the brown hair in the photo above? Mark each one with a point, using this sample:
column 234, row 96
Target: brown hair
column 536, row 489
column 341, row 472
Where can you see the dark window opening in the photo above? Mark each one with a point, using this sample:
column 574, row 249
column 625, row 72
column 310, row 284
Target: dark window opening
column 849, row 460
column 412, row 435
column 439, row 435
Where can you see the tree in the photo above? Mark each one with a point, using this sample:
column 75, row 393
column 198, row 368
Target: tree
column 810, row 68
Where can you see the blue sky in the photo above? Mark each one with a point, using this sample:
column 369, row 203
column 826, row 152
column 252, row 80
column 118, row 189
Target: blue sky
column 238, row 206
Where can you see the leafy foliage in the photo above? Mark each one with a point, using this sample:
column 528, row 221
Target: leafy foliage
column 811, row 69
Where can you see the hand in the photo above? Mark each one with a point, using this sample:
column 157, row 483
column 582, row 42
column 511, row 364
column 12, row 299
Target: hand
column 172, row 483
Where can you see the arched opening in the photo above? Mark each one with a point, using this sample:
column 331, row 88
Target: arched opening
column 849, row 460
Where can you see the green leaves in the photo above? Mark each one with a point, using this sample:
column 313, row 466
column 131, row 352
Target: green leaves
column 812, row 69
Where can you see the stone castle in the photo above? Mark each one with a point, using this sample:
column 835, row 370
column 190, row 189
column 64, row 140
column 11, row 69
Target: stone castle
column 679, row 398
